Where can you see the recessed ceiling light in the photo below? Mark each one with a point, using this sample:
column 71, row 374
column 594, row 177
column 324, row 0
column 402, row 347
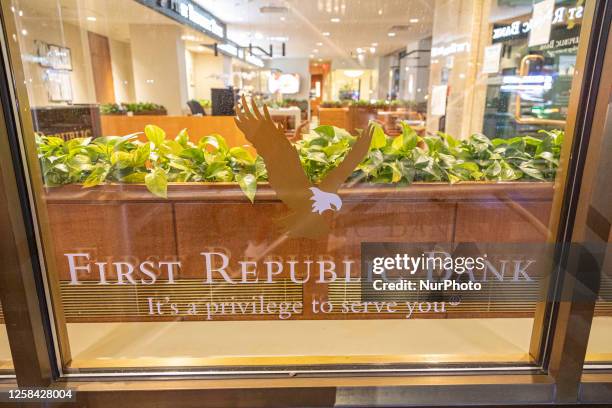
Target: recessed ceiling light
column 326, row 34
column 380, row 12
column 315, row 50
column 320, row 59
column 334, row 20
column 91, row 18
column 372, row 50
column 319, row 44
column 311, row 56
column 414, row 20
column 24, row 32
column 283, row 18
column 374, row 44
column 359, row 50
column 391, row 34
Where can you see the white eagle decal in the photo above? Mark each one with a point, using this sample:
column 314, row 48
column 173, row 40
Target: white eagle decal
column 324, row 201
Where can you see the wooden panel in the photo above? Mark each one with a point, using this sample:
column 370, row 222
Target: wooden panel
column 101, row 67
column 335, row 117
column 197, row 126
column 127, row 222
column 491, row 221
column 112, row 232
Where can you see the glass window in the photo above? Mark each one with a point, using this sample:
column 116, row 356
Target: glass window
column 182, row 228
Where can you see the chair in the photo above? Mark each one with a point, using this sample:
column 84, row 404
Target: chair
column 196, row 108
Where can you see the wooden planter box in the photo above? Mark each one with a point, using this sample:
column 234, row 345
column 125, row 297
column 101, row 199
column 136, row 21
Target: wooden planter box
column 115, row 223
column 350, row 118
column 338, row 117
column 360, row 117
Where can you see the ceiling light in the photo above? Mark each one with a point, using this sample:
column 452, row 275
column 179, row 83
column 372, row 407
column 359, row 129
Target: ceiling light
column 359, row 50
column 326, row 34
column 380, row 12
column 24, row 32
column 391, row 34
column 320, row 59
column 258, row 36
column 311, row 56
column 372, row 50
column 334, row 20
column 315, row 50
column 414, row 20
column 319, row 44
column 91, row 18
column 374, row 44
column 283, row 19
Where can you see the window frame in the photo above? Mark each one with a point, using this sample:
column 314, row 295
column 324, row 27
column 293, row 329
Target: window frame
column 39, row 343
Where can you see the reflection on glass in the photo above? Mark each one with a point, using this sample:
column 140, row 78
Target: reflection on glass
column 172, row 247
column 598, row 233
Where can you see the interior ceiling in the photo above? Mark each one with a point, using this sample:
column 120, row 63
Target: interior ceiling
column 362, row 23
column 112, row 17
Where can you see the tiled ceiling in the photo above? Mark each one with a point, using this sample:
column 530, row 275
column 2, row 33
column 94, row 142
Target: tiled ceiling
column 362, row 24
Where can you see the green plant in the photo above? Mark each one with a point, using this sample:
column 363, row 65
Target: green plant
column 334, row 104
column 142, row 107
column 288, row 102
column 438, row 158
column 111, row 109
column 155, row 162
column 206, row 103
column 401, row 160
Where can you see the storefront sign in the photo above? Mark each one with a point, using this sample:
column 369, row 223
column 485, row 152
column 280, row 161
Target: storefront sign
column 202, row 19
column 451, row 49
column 514, row 29
column 188, row 11
column 520, row 28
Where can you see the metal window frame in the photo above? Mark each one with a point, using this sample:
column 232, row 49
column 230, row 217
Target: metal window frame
column 32, row 334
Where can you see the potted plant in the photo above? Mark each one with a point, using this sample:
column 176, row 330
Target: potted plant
column 335, row 113
column 144, row 108
column 112, row 109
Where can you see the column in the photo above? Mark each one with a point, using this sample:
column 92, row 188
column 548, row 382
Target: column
column 158, row 60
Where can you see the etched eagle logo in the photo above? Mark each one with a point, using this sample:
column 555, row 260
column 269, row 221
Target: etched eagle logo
column 323, row 201
column 311, row 206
